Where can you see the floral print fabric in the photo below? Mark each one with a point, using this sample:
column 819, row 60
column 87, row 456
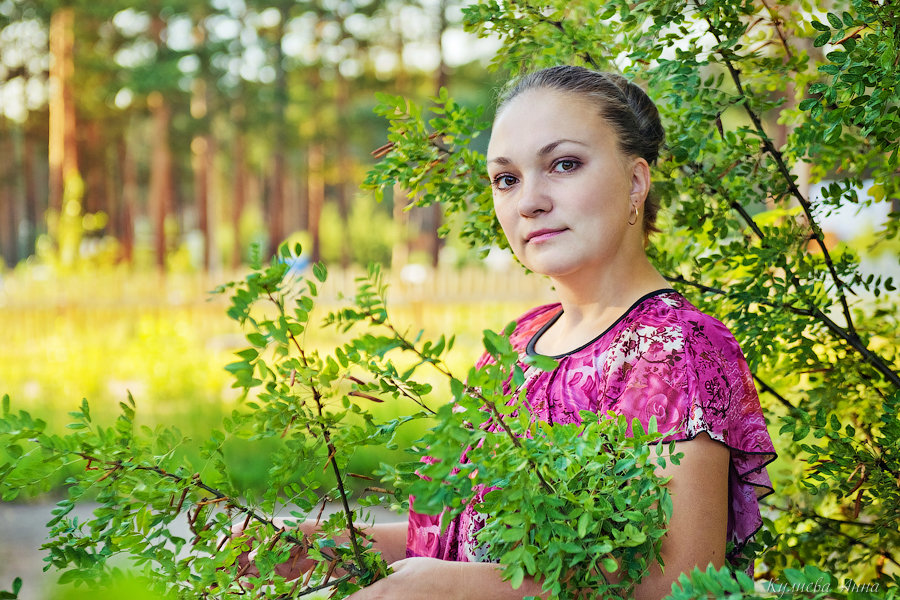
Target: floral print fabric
column 663, row 358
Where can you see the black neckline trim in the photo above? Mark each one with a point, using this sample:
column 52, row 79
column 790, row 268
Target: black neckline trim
column 530, row 351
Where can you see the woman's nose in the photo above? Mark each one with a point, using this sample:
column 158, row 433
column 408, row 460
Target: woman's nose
column 534, row 198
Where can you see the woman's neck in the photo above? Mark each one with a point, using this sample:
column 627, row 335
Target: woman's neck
column 591, row 303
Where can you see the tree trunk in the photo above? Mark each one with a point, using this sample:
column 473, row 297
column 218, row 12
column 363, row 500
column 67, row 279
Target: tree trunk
column 9, row 230
column 7, row 225
column 240, row 195
column 315, row 176
column 32, row 209
column 200, row 146
column 400, row 249
column 201, row 162
column 213, row 191
column 128, row 209
column 276, row 198
column 345, row 166
column 302, row 201
column 95, row 199
column 62, row 151
column 276, row 202
column 202, row 149
column 315, row 185
column 160, row 200
column 440, row 81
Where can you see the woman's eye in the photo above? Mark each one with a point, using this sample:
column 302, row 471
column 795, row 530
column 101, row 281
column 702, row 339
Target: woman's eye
column 501, row 182
column 565, row 165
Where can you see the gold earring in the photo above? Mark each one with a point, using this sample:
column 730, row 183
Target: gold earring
column 634, row 215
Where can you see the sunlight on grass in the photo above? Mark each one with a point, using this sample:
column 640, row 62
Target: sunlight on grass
column 167, row 340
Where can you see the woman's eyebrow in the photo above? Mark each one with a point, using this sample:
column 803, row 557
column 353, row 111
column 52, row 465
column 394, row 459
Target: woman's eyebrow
column 500, row 160
column 503, row 161
column 552, row 146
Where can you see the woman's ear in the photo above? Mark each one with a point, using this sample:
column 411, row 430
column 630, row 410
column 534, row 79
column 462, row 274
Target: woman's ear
column 640, row 182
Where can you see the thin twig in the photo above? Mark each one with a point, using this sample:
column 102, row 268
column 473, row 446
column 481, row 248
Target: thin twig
column 332, row 451
column 768, row 389
column 776, row 21
column 788, row 178
column 834, row 525
column 473, row 392
column 195, row 481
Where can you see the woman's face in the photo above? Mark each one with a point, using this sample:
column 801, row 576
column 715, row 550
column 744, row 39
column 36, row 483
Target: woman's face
column 563, row 191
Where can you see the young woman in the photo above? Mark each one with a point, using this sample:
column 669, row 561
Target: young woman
column 569, row 161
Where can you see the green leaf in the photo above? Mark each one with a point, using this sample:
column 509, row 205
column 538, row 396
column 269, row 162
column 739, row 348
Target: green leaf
column 835, row 20
column 544, row 363
column 794, row 576
column 257, row 339
column 490, row 341
column 248, row 354
column 808, row 103
column 320, row 271
column 518, row 576
column 583, row 521
column 610, row 565
column 69, row 576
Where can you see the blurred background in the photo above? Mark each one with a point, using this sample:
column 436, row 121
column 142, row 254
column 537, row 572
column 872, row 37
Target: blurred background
column 175, row 134
column 147, row 150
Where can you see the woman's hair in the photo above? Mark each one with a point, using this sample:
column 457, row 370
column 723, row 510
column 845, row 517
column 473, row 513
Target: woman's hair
column 622, row 104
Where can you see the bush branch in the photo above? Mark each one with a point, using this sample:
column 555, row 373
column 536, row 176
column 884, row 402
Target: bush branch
column 782, row 167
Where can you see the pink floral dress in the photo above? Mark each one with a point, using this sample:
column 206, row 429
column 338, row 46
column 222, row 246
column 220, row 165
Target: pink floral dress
column 662, row 358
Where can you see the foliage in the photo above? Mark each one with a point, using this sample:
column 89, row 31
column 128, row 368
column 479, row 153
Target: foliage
column 573, row 503
column 435, row 162
column 144, row 485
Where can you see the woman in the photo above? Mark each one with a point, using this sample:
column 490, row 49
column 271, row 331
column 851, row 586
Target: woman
column 569, row 161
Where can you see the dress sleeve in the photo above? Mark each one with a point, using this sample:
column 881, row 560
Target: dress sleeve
column 726, row 406
column 692, row 376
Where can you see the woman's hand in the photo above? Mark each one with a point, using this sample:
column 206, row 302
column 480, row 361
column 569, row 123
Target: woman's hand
column 297, row 564
column 415, row 579
column 430, row 578
column 388, row 538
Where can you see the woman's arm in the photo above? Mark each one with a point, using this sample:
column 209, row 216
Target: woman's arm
column 697, row 529
column 430, row 578
column 695, row 537
column 389, row 539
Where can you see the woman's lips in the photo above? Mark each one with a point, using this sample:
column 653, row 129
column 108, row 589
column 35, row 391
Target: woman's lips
column 542, row 235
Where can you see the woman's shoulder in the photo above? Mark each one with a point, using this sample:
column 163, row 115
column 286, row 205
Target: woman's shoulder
column 672, row 312
column 531, row 322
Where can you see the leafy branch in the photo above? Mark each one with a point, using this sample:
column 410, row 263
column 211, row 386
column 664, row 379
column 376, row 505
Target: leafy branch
column 321, row 275
column 373, row 311
column 744, row 94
